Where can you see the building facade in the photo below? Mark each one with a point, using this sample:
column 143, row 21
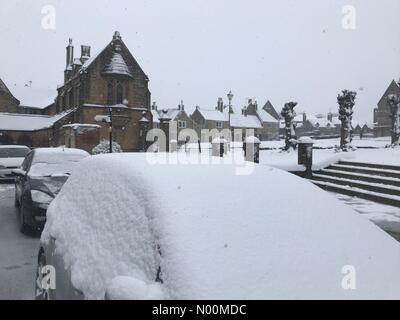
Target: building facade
column 110, row 82
column 382, row 120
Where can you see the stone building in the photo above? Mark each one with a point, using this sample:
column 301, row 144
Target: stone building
column 264, row 122
column 210, row 120
column 176, row 118
column 109, row 82
column 382, row 120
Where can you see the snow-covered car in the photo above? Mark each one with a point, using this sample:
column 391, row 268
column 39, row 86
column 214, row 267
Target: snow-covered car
column 11, row 157
column 40, row 178
column 124, row 227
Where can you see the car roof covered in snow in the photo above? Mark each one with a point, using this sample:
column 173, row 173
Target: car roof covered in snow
column 216, row 239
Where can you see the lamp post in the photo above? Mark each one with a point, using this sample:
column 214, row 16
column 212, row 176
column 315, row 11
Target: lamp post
column 230, row 98
column 110, row 128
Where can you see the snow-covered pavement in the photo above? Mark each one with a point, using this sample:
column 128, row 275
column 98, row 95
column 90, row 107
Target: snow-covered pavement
column 17, row 252
column 386, row 217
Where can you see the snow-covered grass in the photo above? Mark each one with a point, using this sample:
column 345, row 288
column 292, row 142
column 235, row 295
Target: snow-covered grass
column 288, row 161
column 388, row 156
column 215, row 235
column 332, row 143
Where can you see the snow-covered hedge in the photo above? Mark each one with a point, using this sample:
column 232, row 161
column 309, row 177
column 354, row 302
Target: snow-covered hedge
column 104, row 147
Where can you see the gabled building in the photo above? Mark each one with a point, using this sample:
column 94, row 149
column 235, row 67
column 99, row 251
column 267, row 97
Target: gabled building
column 167, row 116
column 211, row 119
column 382, row 120
column 93, row 85
column 264, row 122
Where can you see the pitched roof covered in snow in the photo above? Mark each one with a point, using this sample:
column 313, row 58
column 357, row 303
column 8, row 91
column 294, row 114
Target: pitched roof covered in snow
column 266, row 117
column 241, row 121
column 168, row 114
column 24, row 122
column 269, row 108
column 213, row 115
column 117, row 66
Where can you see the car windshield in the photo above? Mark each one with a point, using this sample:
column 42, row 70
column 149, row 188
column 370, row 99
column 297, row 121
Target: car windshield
column 13, row 152
column 54, row 164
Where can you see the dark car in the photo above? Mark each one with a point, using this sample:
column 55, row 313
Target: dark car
column 38, row 181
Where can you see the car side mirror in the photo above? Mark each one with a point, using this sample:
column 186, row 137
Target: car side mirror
column 19, row 173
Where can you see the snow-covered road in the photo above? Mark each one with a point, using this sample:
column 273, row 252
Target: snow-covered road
column 17, row 252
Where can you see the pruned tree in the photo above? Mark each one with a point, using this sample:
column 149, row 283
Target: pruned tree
column 346, row 102
column 394, row 104
column 288, row 115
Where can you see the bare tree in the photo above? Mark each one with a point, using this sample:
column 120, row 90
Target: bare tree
column 288, row 114
column 346, row 102
column 394, row 104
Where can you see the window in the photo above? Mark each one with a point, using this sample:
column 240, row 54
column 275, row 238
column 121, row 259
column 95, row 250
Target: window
column 71, row 101
column 81, row 94
column 120, row 93
column 182, row 124
column 110, row 94
column 219, row 125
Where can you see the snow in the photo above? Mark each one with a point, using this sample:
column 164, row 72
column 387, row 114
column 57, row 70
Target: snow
column 288, row 161
column 31, row 96
column 241, row 121
column 218, row 140
column 213, row 115
column 305, row 140
column 76, row 126
column 252, row 139
column 104, row 147
column 23, row 122
column 387, row 156
column 128, row 288
column 118, row 66
column 156, row 117
column 55, row 161
column 266, row 117
column 211, row 237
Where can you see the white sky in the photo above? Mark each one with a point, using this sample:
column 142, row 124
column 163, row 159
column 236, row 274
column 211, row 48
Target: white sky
column 199, row 50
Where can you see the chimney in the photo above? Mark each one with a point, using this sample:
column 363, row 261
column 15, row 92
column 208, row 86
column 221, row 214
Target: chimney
column 70, row 55
column 117, row 36
column 330, row 116
column 154, row 106
column 85, row 53
column 304, row 117
column 220, row 105
column 181, row 107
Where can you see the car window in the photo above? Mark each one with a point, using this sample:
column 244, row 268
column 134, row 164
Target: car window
column 52, row 164
column 13, row 152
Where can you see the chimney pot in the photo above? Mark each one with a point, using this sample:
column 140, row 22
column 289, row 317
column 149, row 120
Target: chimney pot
column 85, row 53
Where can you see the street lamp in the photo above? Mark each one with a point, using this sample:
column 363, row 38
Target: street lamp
column 230, row 98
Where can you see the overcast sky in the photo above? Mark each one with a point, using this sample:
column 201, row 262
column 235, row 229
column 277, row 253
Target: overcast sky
column 199, row 50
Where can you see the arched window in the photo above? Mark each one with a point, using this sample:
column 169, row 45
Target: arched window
column 71, row 102
column 120, row 93
column 110, row 94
